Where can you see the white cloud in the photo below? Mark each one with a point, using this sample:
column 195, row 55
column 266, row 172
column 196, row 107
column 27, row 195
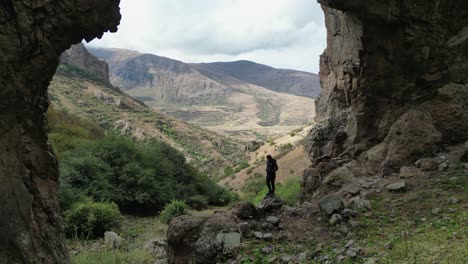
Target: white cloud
column 280, row 33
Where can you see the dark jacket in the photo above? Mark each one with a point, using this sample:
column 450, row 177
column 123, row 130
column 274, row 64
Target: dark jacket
column 272, row 167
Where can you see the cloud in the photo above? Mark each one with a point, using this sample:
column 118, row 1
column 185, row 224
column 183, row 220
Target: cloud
column 280, row 33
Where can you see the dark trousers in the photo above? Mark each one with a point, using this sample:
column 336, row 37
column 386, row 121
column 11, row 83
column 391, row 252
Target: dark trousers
column 270, row 181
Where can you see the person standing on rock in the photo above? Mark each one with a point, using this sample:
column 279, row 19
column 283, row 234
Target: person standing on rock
column 271, row 169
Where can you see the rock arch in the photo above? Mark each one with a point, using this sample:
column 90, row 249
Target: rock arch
column 33, row 34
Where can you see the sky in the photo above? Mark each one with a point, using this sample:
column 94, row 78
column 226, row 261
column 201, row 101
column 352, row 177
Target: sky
column 281, row 33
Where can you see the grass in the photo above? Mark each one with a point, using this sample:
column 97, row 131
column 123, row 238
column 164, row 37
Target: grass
column 419, row 236
column 136, row 231
column 290, row 191
column 113, row 257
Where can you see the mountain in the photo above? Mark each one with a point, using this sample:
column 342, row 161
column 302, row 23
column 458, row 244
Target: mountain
column 238, row 99
column 79, row 87
column 279, row 80
column 79, row 57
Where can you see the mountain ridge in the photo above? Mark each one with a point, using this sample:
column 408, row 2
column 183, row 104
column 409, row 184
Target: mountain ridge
column 207, row 95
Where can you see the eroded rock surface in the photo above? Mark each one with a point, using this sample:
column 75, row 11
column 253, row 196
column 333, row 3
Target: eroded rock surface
column 202, row 240
column 394, row 81
column 33, row 35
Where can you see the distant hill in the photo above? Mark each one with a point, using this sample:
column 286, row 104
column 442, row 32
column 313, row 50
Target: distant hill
column 79, row 87
column 279, row 80
column 242, row 99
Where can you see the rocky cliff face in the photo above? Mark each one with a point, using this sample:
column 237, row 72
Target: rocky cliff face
column 394, row 82
column 78, row 56
column 33, row 35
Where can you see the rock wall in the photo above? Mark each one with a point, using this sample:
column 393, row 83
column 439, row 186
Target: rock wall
column 33, row 35
column 394, row 82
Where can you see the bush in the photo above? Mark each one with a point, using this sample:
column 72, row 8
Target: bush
column 91, row 219
column 244, row 164
column 198, row 202
column 172, row 210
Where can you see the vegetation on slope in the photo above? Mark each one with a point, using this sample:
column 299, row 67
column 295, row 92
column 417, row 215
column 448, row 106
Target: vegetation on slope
column 109, row 107
column 140, row 177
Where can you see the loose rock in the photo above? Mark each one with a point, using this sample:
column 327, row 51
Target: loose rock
column 336, row 218
column 112, row 240
column 273, row 220
column 397, row 186
column 331, row 204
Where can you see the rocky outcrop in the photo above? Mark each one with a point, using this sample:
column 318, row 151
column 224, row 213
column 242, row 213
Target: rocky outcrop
column 33, row 35
column 394, row 82
column 79, row 57
column 202, row 240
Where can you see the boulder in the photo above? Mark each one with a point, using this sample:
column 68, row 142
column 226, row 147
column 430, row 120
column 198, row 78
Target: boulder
column 112, row 240
column 202, row 240
column 245, row 211
column 331, row 204
column 272, row 203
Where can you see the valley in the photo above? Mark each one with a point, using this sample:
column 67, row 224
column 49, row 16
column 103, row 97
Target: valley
column 240, row 99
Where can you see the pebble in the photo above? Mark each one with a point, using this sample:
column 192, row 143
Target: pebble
column 397, row 186
column 336, row 218
column 349, row 244
column 443, row 167
column 436, row 211
column 452, row 200
column 273, row 220
column 303, row 256
column 388, row 245
column 267, row 250
column 351, row 253
column 268, row 236
column 286, row 258
column 258, row 235
column 340, row 258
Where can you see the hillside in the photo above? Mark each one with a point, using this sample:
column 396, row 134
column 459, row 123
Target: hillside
column 231, row 98
column 289, row 152
column 279, row 80
column 85, row 94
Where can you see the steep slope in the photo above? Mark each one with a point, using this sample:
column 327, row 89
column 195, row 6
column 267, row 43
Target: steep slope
column 34, row 34
column 279, row 80
column 207, row 98
column 78, row 91
column 289, row 152
column 79, row 57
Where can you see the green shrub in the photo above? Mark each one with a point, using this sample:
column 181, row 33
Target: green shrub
column 140, row 177
column 91, row 219
column 228, row 171
column 173, row 209
column 286, row 147
column 198, row 202
column 244, row 164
